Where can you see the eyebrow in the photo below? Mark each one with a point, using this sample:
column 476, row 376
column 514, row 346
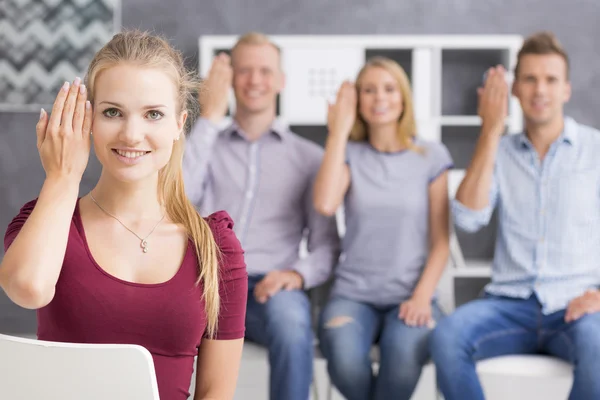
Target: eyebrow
column 145, row 107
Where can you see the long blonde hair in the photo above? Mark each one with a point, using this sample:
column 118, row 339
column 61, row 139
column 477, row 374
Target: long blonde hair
column 407, row 128
column 146, row 50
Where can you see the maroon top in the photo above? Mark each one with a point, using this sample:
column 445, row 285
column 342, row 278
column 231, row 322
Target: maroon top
column 168, row 319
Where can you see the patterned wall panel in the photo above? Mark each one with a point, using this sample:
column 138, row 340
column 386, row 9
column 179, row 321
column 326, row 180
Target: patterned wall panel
column 45, row 42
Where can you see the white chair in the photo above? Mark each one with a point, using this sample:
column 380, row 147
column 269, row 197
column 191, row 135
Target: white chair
column 35, row 369
column 525, row 377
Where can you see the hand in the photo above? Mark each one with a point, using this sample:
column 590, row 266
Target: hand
column 342, row 114
column 416, row 312
column 276, row 281
column 215, row 96
column 63, row 139
column 587, row 303
column 493, row 100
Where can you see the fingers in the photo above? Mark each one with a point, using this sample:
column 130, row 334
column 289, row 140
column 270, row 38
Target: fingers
column 574, row 315
column 260, row 293
column 575, row 310
column 86, row 127
column 402, row 313
column 80, row 110
column 40, row 128
column 221, row 68
column 70, row 102
column 411, row 317
column 57, row 109
column 414, row 316
column 346, row 90
column 496, row 79
column 262, row 289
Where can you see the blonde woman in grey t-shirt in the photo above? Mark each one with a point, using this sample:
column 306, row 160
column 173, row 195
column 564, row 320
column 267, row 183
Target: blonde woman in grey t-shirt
column 394, row 187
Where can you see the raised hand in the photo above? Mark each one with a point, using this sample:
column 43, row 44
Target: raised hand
column 215, row 95
column 342, row 114
column 493, row 100
column 63, row 138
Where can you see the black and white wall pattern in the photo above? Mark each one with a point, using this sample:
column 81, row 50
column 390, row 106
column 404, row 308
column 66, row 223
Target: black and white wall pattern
column 46, row 42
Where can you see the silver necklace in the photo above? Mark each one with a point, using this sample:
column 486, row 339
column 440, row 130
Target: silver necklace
column 143, row 241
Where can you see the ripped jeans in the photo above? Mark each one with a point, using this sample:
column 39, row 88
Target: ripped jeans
column 347, row 331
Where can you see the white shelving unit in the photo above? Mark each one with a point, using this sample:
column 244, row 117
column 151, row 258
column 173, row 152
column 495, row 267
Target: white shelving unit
column 444, row 70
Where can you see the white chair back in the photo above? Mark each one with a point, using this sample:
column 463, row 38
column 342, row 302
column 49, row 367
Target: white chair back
column 35, row 369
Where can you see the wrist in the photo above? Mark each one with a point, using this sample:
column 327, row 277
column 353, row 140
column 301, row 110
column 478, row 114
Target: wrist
column 299, row 278
column 422, row 295
column 338, row 134
column 213, row 117
column 493, row 129
column 66, row 183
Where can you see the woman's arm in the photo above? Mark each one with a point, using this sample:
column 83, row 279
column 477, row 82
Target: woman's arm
column 36, row 245
column 217, row 369
column 219, row 357
column 439, row 228
column 333, row 177
column 36, row 240
column 417, row 310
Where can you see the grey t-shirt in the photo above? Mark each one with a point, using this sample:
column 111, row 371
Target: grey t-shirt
column 386, row 208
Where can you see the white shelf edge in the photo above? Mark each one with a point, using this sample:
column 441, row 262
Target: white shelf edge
column 472, row 272
column 374, row 41
column 467, row 120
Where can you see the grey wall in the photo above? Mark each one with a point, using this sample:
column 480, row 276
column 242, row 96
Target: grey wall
column 574, row 21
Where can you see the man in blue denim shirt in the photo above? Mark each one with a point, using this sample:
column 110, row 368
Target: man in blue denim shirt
column 543, row 297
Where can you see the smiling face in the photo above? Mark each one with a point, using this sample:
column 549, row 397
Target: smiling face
column 136, row 120
column 257, row 77
column 542, row 87
column 380, row 99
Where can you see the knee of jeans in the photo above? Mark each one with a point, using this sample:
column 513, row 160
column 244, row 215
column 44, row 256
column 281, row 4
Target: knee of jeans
column 586, row 339
column 348, row 363
column 401, row 374
column 446, row 337
column 294, row 326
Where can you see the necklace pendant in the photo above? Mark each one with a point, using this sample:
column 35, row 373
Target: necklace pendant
column 144, row 246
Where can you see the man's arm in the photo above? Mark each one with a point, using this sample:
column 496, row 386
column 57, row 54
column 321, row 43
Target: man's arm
column 477, row 194
column 323, row 243
column 196, row 158
column 201, row 141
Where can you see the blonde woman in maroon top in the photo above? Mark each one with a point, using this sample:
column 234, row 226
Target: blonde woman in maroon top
column 132, row 261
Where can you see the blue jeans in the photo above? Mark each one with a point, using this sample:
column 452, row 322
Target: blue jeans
column 284, row 326
column 347, row 331
column 495, row 326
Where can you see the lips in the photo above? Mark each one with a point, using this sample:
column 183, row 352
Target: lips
column 380, row 110
column 130, row 154
column 253, row 94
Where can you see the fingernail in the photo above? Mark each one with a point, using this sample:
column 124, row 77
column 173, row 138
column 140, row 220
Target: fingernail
column 77, row 81
column 65, row 86
column 82, row 89
column 88, row 105
column 42, row 113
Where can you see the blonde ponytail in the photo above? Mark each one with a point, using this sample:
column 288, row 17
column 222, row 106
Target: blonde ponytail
column 183, row 212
